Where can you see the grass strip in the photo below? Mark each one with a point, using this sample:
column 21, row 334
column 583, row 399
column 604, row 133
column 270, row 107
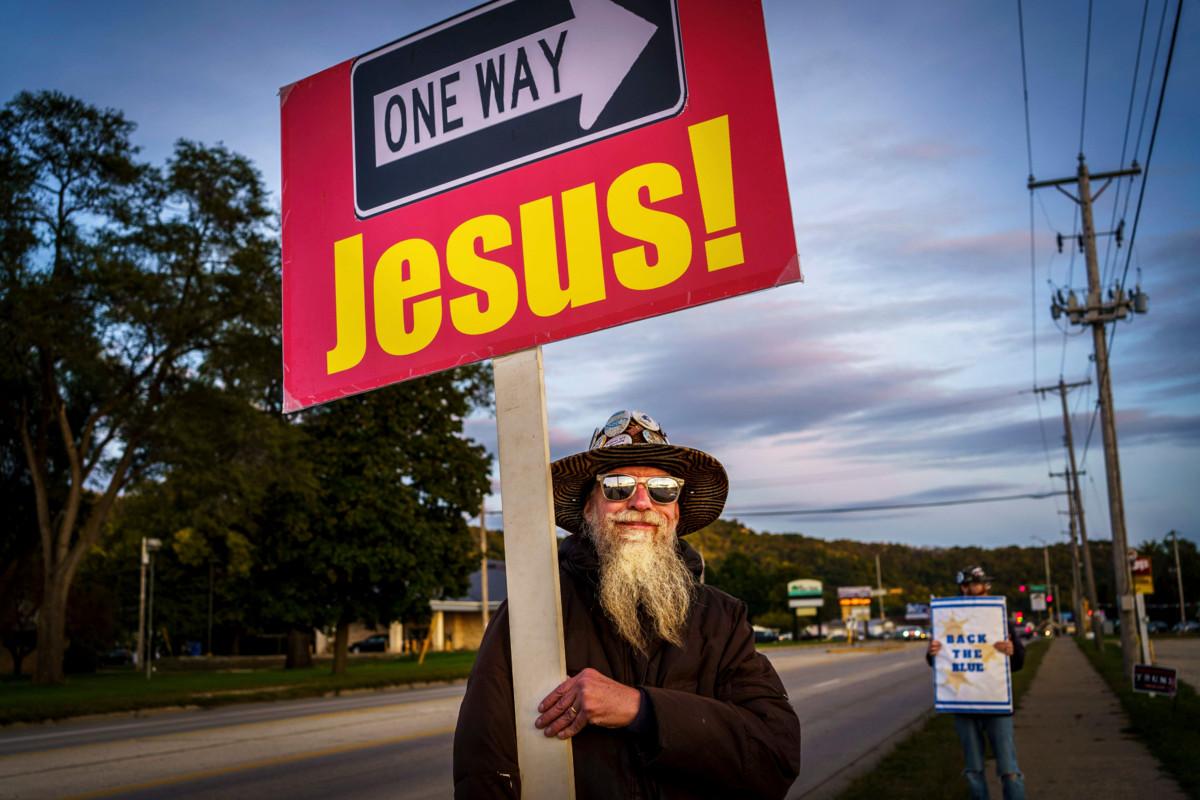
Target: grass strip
column 1169, row 728
column 126, row 690
column 928, row 764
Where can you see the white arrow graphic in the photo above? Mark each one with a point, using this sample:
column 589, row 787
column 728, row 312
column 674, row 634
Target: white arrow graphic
column 586, row 57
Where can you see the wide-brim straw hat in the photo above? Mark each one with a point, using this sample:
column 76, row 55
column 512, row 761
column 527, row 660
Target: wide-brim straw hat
column 635, row 439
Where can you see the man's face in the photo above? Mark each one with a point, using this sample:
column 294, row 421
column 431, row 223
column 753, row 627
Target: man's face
column 637, row 518
column 974, row 588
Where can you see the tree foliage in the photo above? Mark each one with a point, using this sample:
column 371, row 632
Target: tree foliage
column 757, row 567
column 385, row 530
column 132, row 294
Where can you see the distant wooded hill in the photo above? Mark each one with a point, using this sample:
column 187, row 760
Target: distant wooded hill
column 756, row 567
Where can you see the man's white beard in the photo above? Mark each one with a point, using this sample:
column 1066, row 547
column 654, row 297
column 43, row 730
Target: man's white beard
column 646, row 574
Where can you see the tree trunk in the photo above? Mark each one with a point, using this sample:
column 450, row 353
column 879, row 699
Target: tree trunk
column 341, row 643
column 51, row 633
column 299, row 654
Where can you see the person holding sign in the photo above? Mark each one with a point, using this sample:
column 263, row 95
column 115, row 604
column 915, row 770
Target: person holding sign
column 996, row 727
column 667, row 696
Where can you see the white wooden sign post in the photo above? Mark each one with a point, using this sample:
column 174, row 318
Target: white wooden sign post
column 531, row 561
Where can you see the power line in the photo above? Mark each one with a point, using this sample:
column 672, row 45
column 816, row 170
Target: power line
column 796, row 512
column 1025, row 87
column 1087, row 59
column 892, row 506
column 1162, row 92
column 1137, row 65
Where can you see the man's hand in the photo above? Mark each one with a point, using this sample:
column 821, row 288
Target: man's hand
column 589, row 697
column 1005, row 647
column 935, row 647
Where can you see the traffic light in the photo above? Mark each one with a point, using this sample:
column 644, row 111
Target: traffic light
column 1049, row 599
column 1020, row 617
column 1021, row 588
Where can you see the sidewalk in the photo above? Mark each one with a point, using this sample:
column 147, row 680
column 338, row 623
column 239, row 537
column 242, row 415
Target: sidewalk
column 1070, row 742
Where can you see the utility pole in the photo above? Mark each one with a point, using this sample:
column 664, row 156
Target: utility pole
column 1049, row 586
column 483, row 569
column 879, row 587
column 1076, row 587
column 145, row 560
column 1097, row 313
column 1179, row 577
column 1075, row 503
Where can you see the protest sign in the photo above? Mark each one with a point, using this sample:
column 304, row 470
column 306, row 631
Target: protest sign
column 969, row 674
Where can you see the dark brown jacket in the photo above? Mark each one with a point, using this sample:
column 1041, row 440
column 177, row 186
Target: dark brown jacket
column 719, row 722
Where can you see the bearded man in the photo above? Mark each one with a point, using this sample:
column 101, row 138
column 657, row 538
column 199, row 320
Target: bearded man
column 667, row 696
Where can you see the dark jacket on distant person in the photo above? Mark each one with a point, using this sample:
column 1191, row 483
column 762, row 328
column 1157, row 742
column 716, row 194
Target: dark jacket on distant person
column 715, row 720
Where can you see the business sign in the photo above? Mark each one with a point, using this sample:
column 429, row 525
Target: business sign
column 969, row 674
column 806, row 602
column 916, row 611
column 849, row 592
column 528, row 171
column 806, row 612
column 1153, row 679
column 805, row 587
column 1143, row 575
column 1037, row 601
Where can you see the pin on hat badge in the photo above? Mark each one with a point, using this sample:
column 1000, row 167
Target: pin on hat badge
column 617, row 423
column 646, row 421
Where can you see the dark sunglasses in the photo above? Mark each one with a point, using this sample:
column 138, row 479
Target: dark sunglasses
column 662, row 489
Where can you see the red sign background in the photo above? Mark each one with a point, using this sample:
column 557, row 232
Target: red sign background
column 710, row 180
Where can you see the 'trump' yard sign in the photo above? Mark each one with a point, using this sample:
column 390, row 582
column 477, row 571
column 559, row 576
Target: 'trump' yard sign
column 528, row 171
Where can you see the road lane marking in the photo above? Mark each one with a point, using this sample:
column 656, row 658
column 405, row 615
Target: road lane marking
column 137, row 727
column 222, row 723
column 826, row 683
column 274, row 761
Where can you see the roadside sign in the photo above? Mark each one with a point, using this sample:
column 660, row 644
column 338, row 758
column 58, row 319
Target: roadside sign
column 1143, row 575
column 916, row 611
column 806, row 602
column 845, row 592
column 526, row 172
column 806, row 612
column 1037, row 601
column 805, row 587
column 1154, row 679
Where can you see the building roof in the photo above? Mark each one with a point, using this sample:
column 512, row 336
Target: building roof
column 497, row 591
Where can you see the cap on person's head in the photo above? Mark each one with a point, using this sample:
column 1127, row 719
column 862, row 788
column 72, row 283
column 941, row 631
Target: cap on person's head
column 635, row 439
column 972, row 575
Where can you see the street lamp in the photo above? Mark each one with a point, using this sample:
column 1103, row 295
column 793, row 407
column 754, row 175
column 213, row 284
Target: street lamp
column 146, row 631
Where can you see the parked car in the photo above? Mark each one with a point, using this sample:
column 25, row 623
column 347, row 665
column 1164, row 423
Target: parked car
column 372, row 644
column 117, row 657
column 765, row 635
column 1157, row 626
column 1190, row 626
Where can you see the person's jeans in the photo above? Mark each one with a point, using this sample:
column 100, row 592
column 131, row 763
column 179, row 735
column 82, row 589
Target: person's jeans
column 972, row 728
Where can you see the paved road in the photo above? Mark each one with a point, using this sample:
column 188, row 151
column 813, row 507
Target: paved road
column 1181, row 653
column 397, row 744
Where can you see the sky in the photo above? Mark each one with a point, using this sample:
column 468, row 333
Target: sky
column 901, row 370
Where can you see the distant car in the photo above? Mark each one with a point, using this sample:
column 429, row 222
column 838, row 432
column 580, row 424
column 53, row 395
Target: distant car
column 785, row 637
column 1186, row 627
column 117, row 657
column 911, row 633
column 372, row 644
column 765, row 635
column 1157, row 626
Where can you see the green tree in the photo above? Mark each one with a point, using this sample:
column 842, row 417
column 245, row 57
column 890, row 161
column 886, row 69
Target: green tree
column 132, row 293
column 386, row 531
